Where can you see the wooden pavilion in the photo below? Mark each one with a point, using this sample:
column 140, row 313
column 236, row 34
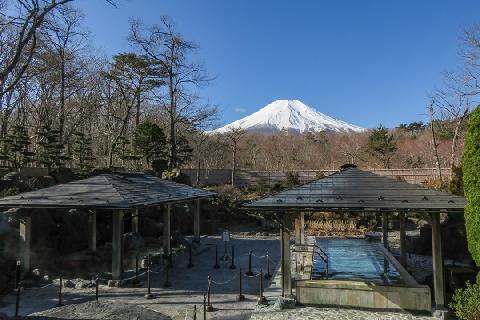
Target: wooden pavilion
column 354, row 190
column 117, row 193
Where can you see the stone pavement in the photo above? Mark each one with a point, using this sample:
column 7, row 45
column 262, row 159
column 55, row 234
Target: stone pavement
column 309, row 313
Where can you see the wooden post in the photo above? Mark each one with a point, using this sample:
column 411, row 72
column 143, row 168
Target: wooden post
column 438, row 277
column 282, row 261
column 135, row 220
column 26, row 242
column 302, row 228
column 403, row 249
column 117, row 245
column 385, row 229
column 286, row 262
column 92, row 239
column 166, row 229
column 298, row 239
column 196, row 222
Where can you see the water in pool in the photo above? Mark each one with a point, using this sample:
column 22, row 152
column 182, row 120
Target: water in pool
column 354, row 259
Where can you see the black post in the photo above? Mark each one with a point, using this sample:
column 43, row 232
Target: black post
column 261, row 298
column 17, row 301
column 268, row 275
column 149, row 294
column 209, row 305
column 216, row 266
column 240, row 297
column 232, row 266
column 225, row 256
column 17, row 273
column 97, row 280
column 60, row 292
column 170, row 259
column 249, row 272
column 190, row 262
column 204, row 306
column 194, row 312
column 136, row 268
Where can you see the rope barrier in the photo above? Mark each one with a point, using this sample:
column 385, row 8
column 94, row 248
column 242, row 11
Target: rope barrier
column 225, row 282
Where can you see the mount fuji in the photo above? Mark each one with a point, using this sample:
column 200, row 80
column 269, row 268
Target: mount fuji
column 291, row 115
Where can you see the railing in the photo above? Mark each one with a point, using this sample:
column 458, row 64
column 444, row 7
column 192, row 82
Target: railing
column 316, row 250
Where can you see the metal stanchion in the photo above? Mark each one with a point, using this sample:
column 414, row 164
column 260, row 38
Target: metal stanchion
column 149, row 294
column 18, row 269
column 170, row 259
column 204, row 306
column 190, row 261
column 194, row 312
column 209, row 305
column 97, row 280
column 232, row 266
column 136, row 268
column 216, row 266
column 261, row 298
column 240, row 297
column 17, row 300
column 60, row 292
column 268, row 275
column 249, row 272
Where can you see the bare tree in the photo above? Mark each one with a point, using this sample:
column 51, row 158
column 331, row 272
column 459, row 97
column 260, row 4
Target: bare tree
column 165, row 46
column 234, row 135
column 434, row 143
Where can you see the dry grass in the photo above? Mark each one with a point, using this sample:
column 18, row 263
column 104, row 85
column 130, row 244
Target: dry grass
column 333, row 228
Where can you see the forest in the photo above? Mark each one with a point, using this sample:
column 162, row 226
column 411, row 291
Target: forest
column 64, row 105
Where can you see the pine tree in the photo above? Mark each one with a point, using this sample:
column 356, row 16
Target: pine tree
column 51, row 152
column 382, row 145
column 82, row 153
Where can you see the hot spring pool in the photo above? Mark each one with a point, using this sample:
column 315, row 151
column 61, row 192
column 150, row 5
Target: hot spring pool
column 355, row 259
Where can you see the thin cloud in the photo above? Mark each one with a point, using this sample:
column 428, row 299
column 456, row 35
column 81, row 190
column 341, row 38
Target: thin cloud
column 240, row 110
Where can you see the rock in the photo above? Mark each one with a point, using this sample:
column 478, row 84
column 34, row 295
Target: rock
column 46, row 277
column 115, row 283
column 283, row 303
column 68, row 284
column 36, row 273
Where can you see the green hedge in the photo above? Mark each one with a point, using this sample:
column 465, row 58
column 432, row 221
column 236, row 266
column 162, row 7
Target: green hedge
column 471, row 180
column 465, row 302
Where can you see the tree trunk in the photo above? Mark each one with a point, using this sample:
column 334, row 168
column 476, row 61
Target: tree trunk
column 234, row 163
column 62, row 97
column 435, row 145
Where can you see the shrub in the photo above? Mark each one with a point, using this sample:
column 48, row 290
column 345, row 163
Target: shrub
column 466, row 303
column 471, row 180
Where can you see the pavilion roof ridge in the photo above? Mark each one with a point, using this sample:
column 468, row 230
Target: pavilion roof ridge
column 357, row 189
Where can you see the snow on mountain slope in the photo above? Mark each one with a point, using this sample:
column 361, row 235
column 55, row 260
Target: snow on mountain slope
column 292, row 115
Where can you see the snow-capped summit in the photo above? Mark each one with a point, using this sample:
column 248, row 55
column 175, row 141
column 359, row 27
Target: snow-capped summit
column 291, row 115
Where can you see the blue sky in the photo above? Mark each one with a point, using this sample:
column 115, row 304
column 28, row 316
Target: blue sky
column 366, row 62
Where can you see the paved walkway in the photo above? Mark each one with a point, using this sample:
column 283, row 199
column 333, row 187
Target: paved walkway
column 309, row 313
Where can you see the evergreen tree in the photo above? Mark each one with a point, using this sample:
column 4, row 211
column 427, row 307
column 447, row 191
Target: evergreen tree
column 382, row 145
column 471, row 180
column 150, row 142
column 51, row 152
column 15, row 148
column 82, row 153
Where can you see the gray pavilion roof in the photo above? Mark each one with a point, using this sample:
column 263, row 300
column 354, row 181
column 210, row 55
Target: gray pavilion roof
column 107, row 191
column 354, row 189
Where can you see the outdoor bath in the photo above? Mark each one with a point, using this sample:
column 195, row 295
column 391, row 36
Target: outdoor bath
column 361, row 274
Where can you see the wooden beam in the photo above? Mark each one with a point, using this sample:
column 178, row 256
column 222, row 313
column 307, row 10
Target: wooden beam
column 302, row 228
column 196, row 222
column 403, row 243
column 286, row 258
column 26, row 242
column 117, row 245
column 385, row 229
column 298, row 236
column 92, row 227
column 438, row 275
column 135, row 217
column 167, row 214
